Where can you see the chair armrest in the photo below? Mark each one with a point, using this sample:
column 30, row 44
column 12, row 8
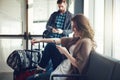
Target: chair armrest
column 81, row 77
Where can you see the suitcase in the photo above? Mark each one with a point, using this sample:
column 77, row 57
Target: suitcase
column 23, row 75
column 20, row 60
column 24, row 62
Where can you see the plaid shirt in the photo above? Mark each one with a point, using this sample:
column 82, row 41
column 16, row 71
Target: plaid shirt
column 60, row 19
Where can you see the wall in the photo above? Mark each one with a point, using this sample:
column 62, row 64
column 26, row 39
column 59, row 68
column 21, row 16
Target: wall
column 10, row 23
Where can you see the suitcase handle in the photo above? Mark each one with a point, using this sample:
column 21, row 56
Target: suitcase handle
column 35, row 49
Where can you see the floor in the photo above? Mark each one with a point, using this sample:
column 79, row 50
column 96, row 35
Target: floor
column 6, row 76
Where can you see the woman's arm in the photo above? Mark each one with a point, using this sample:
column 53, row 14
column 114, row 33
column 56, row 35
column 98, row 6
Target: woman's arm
column 84, row 49
column 47, row 40
column 83, row 52
column 64, row 51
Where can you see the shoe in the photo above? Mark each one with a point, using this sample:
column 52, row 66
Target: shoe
column 40, row 69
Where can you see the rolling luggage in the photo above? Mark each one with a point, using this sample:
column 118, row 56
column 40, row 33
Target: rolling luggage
column 23, row 75
column 24, row 62
column 23, row 59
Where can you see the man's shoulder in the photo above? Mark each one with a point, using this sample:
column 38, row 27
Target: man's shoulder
column 69, row 13
column 55, row 12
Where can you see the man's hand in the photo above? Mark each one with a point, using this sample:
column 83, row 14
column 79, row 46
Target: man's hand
column 54, row 30
column 59, row 31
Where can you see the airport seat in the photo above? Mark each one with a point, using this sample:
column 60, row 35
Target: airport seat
column 99, row 67
column 116, row 72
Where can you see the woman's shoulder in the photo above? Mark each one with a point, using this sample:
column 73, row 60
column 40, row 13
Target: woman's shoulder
column 85, row 40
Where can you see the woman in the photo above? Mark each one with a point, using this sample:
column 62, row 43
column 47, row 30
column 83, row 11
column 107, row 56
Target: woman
column 76, row 49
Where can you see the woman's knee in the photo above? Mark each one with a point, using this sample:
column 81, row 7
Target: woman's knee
column 50, row 46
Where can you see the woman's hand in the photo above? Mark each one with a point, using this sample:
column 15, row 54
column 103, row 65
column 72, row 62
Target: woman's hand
column 33, row 41
column 62, row 50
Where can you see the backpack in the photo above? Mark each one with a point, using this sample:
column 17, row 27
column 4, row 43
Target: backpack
column 23, row 59
column 46, row 34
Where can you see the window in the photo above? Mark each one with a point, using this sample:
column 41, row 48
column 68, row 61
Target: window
column 39, row 12
column 116, row 29
column 104, row 16
column 94, row 10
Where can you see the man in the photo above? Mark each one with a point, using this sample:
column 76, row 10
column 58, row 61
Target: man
column 59, row 23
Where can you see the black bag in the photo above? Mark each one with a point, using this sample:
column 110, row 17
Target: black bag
column 46, row 34
column 23, row 59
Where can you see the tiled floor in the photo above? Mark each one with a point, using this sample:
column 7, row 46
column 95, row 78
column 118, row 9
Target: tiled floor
column 6, row 76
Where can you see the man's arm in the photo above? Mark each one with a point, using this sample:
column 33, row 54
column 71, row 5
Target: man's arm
column 50, row 23
column 67, row 25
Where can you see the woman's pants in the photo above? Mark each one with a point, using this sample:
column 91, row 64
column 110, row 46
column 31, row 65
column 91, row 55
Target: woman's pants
column 51, row 53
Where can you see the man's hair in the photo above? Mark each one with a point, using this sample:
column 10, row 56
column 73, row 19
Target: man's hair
column 60, row 1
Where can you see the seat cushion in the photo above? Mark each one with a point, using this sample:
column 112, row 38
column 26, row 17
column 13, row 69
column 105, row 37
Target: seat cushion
column 116, row 72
